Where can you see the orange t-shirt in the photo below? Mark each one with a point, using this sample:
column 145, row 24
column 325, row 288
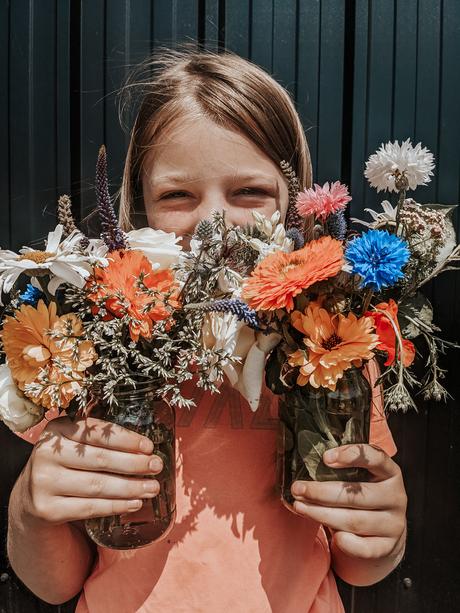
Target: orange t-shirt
column 234, row 546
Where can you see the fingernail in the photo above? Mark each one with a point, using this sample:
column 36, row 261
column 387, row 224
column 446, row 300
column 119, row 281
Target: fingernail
column 331, row 456
column 146, row 446
column 133, row 505
column 151, row 487
column 298, row 488
column 156, row 465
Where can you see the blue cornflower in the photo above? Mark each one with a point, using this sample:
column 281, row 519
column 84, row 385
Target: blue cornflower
column 378, row 257
column 31, row 295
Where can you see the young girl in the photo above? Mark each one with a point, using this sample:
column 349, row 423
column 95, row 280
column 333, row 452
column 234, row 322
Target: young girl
column 210, row 134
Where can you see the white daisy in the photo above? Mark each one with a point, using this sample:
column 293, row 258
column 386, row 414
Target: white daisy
column 393, row 160
column 63, row 261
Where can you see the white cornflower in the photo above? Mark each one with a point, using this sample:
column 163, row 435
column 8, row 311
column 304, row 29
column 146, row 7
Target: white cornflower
column 63, row 261
column 393, row 160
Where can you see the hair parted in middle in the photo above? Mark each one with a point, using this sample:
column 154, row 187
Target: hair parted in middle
column 231, row 91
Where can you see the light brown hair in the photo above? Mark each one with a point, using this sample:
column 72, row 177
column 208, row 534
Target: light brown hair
column 226, row 88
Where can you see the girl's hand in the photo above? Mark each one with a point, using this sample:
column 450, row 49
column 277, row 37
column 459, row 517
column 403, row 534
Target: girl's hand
column 88, row 468
column 368, row 519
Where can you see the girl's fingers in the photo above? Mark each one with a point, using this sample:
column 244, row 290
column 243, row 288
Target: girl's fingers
column 66, row 509
column 87, row 484
column 370, row 547
column 364, row 456
column 344, row 494
column 96, row 432
column 100, row 459
column 362, row 523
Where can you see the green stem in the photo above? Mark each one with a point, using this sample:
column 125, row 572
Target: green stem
column 402, row 197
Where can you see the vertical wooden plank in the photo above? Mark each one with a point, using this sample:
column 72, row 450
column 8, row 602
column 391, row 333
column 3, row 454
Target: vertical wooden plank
column 442, row 499
column 405, row 70
column 127, row 43
column 237, row 27
column 330, row 90
column 92, row 133
column 211, row 25
column 261, row 41
column 185, row 20
column 360, row 98
column 307, row 77
column 285, row 43
column 4, row 125
column 32, row 120
column 62, row 89
column 162, row 22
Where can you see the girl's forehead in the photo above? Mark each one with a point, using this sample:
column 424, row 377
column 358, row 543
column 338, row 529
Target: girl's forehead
column 191, row 147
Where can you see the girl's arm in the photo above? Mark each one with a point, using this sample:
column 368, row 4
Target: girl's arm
column 52, row 560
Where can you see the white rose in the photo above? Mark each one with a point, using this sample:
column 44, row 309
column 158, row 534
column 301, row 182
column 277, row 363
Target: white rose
column 18, row 413
column 159, row 247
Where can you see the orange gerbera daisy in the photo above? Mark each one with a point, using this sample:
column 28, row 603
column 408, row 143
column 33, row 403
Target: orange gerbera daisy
column 334, row 343
column 42, row 347
column 130, row 287
column 281, row 276
column 387, row 333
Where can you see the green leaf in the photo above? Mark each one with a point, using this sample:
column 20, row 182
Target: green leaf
column 311, row 447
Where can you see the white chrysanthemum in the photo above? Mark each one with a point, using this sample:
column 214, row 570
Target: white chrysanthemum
column 393, row 159
column 64, row 261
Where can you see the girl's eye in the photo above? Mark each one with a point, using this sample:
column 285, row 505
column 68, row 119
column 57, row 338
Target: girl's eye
column 245, row 191
column 249, row 191
column 175, row 195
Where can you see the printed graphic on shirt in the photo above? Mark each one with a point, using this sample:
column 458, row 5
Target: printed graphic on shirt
column 229, row 407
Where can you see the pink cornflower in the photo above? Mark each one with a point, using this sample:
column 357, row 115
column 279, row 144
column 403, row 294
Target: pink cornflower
column 323, row 201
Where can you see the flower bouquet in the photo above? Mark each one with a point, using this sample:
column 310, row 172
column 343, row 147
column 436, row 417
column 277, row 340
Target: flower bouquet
column 113, row 326
column 341, row 302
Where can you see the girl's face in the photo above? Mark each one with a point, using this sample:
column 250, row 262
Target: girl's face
column 199, row 166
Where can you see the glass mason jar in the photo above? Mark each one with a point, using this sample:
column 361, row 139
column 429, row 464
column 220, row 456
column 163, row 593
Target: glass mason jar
column 312, row 420
column 140, row 410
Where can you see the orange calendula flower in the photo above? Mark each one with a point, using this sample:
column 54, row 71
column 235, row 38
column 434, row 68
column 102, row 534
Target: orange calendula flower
column 334, row 343
column 130, row 287
column 45, row 349
column 281, row 276
column 387, row 333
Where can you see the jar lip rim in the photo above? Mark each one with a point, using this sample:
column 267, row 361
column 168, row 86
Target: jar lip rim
column 145, row 384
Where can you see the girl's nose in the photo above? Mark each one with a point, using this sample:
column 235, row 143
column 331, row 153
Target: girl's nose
column 213, row 202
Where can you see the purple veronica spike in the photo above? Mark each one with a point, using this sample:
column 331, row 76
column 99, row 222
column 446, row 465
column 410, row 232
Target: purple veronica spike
column 112, row 235
column 238, row 308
